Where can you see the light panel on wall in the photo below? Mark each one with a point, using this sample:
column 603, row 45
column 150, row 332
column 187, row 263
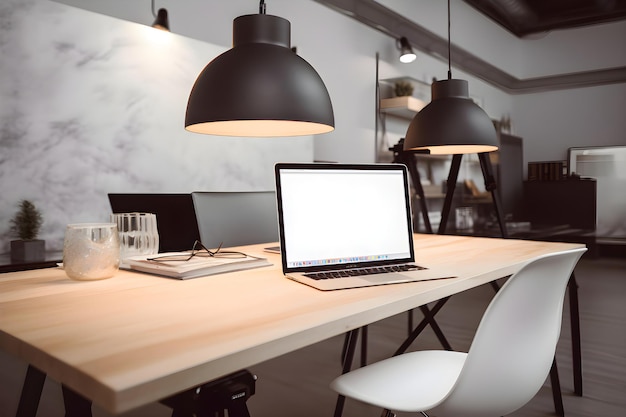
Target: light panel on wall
column 260, row 87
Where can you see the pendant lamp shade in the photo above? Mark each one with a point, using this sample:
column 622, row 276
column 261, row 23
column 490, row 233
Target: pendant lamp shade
column 260, row 87
column 451, row 123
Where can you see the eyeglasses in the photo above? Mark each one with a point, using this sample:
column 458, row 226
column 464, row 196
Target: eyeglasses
column 200, row 251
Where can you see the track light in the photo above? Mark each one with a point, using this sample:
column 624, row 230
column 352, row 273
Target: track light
column 406, row 52
column 161, row 20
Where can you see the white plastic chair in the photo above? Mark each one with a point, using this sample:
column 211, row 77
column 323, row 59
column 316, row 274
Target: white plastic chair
column 507, row 363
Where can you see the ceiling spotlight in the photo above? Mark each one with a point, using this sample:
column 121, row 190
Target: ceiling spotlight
column 406, row 52
column 161, row 20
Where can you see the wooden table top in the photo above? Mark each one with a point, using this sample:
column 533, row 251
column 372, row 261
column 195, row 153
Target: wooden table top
column 135, row 338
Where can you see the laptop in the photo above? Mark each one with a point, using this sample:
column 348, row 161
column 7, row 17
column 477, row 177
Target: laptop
column 235, row 218
column 175, row 214
column 347, row 221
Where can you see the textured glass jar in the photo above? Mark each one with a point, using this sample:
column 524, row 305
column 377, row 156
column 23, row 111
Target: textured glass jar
column 91, row 251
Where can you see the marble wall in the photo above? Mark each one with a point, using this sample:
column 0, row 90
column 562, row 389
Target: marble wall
column 90, row 104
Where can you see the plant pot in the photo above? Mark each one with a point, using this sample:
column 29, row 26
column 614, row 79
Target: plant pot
column 28, row 250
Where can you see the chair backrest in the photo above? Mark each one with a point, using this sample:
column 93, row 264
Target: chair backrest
column 176, row 218
column 514, row 346
column 235, row 218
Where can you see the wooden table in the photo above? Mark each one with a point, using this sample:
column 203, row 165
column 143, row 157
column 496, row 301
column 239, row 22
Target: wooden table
column 136, row 338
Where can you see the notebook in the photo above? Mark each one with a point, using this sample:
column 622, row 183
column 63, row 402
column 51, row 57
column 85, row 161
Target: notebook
column 335, row 218
column 235, row 218
column 176, row 218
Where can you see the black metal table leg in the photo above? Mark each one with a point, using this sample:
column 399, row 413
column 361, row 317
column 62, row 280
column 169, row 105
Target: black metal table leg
column 346, row 342
column 352, row 337
column 31, row 392
column 420, row 327
column 575, row 326
column 435, row 326
column 75, row 404
column 556, row 389
column 364, row 331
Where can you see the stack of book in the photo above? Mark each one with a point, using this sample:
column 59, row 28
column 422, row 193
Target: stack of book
column 197, row 266
column 547, row 171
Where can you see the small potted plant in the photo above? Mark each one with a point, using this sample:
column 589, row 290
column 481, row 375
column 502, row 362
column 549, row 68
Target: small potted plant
column 403, row 88
column 25, row 225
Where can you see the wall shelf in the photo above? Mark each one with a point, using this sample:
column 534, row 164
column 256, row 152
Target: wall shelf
column 405, row 107
column 421, row 89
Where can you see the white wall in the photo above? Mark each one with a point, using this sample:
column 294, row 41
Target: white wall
column 575, row 50
column 554, row 121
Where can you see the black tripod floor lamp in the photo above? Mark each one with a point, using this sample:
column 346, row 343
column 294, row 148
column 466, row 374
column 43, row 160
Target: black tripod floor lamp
column 490, row 185
column 410, row 160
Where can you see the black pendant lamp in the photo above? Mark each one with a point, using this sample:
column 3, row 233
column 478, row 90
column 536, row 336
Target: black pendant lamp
column 260, row 87
column 451, row 123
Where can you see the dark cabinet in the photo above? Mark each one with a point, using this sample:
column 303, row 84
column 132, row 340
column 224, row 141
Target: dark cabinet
column 567, row 202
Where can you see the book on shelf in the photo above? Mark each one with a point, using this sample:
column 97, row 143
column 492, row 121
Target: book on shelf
column 547, row 171
column 196, row 266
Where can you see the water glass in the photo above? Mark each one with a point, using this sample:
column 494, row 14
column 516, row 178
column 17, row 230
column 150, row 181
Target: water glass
column 138, row 233
column 91, row 251
column 464, row 218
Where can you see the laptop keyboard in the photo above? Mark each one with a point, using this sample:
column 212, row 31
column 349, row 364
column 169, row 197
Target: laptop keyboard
column 364, row 271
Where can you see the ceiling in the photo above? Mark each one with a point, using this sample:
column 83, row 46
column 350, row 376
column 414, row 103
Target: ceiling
column 528, row 17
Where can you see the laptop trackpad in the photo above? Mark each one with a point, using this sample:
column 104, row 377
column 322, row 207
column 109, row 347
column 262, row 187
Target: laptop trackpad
column 406, row 276
column 386, row 278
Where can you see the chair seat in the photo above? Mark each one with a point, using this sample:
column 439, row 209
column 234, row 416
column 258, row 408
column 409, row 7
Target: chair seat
column 412, row 382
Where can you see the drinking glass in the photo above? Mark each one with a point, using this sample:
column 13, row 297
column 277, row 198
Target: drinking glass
column 464, row 218
column 91, row 251
column 138, row 233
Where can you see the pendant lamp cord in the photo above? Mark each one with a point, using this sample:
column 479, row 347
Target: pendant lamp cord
column 449, row 60
column 262, row 7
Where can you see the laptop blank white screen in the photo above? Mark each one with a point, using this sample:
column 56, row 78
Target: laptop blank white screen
column 344, row 216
